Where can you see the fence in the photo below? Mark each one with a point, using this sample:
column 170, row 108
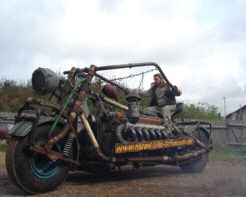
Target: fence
column 224, row 132
column 228, row 132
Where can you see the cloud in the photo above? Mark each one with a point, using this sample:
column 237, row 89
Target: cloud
column 199, row 44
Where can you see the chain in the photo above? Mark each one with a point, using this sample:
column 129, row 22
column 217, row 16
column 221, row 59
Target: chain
column 141, row 82
column 130, row 76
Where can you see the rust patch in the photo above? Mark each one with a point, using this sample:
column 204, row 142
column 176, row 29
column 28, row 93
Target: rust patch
column 150, row 121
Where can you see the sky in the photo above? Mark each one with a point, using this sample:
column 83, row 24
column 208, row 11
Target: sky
column 199, row 44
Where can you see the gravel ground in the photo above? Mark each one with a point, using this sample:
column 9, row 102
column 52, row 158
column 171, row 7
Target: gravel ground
column 221, row 177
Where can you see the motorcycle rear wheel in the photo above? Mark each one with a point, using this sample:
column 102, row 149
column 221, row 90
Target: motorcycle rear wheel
column 200, row 163
column 33, row 172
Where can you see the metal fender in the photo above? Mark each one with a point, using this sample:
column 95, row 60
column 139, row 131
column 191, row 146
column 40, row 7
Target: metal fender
column 191, row 129
column 22, row 128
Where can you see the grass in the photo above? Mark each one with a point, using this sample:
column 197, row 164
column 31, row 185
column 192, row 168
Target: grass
column 3, row 146
column 225, row 151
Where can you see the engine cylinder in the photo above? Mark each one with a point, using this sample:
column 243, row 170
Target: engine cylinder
column 158, row 134
column 152, row 134
column 139, row 132
column 145, row 134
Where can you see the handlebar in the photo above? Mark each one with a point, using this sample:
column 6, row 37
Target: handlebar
column 131, row 65
column 78, row 70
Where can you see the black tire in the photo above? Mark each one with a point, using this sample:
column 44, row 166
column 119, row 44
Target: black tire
column 32, row 172
column 198, row 165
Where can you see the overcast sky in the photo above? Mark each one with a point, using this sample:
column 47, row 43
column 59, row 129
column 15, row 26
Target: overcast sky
column 199, row 44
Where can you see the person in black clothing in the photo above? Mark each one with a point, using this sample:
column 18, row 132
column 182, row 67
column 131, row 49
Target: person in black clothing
column 163, row 99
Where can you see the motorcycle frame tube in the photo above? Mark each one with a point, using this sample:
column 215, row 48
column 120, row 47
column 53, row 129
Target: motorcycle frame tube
column 132, row 65
column 92, row 137
column 66, row 104
column 73, row 114
column 89, row 131
column 114, row 103
column 48, row 100
column 162, row 158
column 125, row 90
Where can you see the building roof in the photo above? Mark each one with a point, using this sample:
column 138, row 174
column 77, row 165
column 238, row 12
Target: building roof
column 237, row 111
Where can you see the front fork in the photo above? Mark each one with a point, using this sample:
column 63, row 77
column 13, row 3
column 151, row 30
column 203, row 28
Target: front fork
column 68, row 129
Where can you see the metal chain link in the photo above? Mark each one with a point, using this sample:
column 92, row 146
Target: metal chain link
column 130, row 76
column 141, row 82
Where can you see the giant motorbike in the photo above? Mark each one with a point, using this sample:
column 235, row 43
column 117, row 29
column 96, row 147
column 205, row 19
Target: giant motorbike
column 45, row 146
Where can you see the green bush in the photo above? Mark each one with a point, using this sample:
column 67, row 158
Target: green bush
column 13, row 96
column 202, row 111
column 3, row 146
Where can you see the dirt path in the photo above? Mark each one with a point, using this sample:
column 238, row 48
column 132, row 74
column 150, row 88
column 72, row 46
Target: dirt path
column 222, row 177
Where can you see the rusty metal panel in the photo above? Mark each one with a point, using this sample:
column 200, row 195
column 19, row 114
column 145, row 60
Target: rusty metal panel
column 150, row 121
column 151, row 145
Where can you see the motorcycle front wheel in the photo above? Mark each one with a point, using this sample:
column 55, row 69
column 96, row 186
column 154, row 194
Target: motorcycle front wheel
column 200, row 163
column 33, row 172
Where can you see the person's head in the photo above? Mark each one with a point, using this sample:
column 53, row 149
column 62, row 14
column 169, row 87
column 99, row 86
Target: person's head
column 158, row 79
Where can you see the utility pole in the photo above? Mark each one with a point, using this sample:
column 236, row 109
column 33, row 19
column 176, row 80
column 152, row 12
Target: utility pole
column 225, row 105
column 241, row 116
column 226, row 123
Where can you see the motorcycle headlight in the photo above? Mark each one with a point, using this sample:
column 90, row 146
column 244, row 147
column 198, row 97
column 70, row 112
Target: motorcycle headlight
column 45, row 81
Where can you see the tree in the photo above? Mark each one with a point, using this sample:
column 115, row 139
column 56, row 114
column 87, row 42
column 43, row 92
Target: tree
column 200, row 111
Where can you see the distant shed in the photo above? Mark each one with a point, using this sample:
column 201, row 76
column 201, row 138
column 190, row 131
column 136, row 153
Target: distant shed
column 238, row 115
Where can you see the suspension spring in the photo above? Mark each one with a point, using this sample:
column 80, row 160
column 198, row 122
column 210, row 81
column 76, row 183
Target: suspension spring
column 68, row 145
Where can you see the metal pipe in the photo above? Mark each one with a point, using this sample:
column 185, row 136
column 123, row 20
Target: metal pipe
column 114, row 103
column 89, row 131
column 111, row 82
column 53, row 155
column 135, row 159
column 190, row 155
column 118, row 134
column 92, row 137
column 131, row 65
column 199, row 142
column 162, row 158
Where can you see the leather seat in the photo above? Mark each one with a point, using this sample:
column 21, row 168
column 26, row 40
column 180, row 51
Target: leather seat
column 179, row 108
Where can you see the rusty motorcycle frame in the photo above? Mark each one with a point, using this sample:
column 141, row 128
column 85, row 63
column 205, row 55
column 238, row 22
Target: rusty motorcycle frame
column 43, row 148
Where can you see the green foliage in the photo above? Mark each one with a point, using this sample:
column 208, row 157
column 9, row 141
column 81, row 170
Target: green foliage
column 145, row 101
column 3, row 146
column 203, row 111
column 13, row 96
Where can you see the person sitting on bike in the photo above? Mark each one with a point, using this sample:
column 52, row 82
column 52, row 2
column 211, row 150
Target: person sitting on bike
column 163, row 99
